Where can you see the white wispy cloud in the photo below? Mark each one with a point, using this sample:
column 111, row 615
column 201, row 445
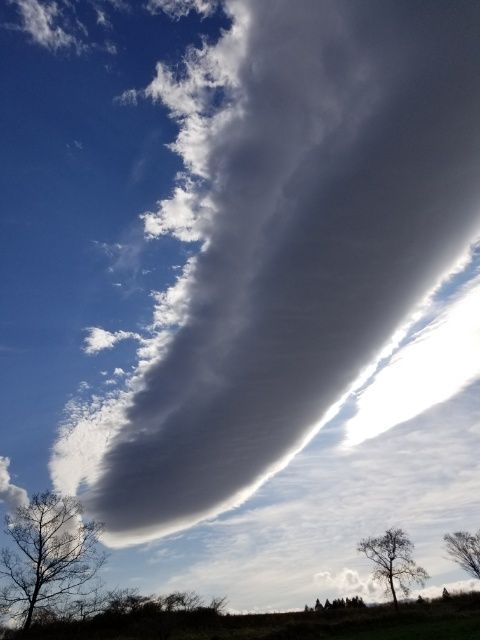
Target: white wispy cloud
column 12, row 495
column 102, row 18
column 56, row 25
column 124, row 260
column 208, row 72
column 44, row 22
column 322, row 230
column 87, row 428
column 98, row 339
column 180, row 8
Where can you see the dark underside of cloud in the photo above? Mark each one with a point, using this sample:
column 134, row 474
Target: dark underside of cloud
column 346, row 188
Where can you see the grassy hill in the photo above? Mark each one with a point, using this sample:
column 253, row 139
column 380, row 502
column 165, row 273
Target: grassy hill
column 457, row 618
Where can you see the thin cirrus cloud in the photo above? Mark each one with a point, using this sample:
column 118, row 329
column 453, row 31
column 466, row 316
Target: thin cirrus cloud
column 55, row 24
column 332, row 165
column 45, row 24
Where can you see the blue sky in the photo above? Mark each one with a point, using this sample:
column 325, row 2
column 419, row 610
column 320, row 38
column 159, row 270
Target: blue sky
column 77, row 171
column 240, row 271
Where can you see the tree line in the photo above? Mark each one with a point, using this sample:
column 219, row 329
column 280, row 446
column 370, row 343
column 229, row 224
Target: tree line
column 395, row 568
column 339, row 603
column 52, row 566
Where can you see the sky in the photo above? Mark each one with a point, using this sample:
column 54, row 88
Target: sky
column 240, row 257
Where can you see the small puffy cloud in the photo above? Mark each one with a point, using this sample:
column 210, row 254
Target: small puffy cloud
column 10, row 494
column 98, row 339
column 176, row 216
column 348, row 582
column 44, row 22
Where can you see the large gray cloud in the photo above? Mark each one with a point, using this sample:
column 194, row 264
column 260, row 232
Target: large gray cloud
column 348, row 183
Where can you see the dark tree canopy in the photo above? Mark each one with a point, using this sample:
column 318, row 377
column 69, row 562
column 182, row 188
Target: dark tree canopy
column 464, row 549
column 53, row 555
column 395, row 567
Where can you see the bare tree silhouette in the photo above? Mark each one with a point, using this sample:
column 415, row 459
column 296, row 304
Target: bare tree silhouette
column 54, row 555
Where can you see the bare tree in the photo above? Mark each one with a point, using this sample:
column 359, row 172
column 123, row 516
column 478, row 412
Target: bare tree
column 54, row 555
column 218, row 604
column 392, row 555
column 86, row 606
column 464, row 549
column 124, row 601
column 181, row 601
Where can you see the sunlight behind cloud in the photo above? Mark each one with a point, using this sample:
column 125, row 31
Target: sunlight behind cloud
column 434, row 365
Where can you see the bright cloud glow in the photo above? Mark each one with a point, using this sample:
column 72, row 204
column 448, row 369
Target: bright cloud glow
column 435, row 364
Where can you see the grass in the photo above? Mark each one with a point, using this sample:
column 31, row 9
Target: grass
column 457, row 618
column 457, row 629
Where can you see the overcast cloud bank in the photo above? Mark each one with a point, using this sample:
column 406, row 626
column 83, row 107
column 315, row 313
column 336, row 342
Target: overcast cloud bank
column 332, row 175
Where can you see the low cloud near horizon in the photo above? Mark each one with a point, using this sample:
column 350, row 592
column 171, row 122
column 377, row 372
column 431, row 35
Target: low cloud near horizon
column 333, row 177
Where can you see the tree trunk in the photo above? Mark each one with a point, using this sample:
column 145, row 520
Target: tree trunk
column 395, row 601
column 33, row 602
column 28, row 619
